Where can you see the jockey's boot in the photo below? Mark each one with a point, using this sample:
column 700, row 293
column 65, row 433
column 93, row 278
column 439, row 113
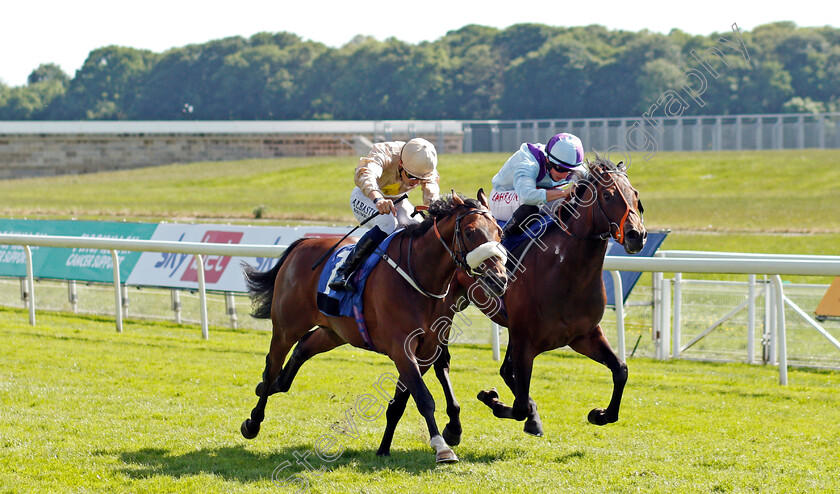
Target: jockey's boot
column 516, row 221
column 366, row 245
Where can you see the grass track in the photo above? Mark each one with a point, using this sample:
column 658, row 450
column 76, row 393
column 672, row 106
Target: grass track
column 157, row 409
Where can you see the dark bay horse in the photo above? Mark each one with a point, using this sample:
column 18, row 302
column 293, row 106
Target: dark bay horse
column 406, row 314
column 556, row 294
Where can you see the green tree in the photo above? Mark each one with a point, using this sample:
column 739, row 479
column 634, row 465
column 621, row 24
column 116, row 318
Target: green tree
column 182, row 77
column 476, row 85
column 369, row 79
column 757, row 87
column 48, row 72
column 521, row 39
column 475, row 72
column 47, row 84
column 458, row 42
column 616, row 90
column 654, row 78
column 548, row 83
column 804, row 55
column 106, row 85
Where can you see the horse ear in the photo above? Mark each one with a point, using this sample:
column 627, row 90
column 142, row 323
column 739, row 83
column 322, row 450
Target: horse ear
column 456, row 199
column 482, row 198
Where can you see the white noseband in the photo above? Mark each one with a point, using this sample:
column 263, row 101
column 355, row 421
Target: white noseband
column 486, row 251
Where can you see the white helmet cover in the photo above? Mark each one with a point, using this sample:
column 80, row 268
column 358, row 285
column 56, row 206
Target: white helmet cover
column 419, row 158
column 565, row 150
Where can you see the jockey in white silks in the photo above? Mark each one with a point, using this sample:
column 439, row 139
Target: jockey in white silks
column 534, row 175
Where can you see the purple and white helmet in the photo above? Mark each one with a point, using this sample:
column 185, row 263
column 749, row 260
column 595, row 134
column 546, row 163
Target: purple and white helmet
column 564, row 150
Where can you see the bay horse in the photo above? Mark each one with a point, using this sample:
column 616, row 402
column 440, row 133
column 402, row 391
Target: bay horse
column 406, row 314
column 556, row 293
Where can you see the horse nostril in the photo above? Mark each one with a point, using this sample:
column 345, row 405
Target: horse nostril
column 498, row 284
column 633, row 235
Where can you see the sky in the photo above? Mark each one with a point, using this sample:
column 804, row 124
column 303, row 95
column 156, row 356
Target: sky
column 65, row 32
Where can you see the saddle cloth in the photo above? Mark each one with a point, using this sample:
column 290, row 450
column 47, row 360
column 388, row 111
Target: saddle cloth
column 342, row 303
column 534, row 229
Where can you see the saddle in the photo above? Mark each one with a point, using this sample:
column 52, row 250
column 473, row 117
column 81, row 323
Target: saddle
column 533, row 229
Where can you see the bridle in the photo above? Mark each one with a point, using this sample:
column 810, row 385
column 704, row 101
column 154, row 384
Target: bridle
column 460, row 256
column 463, row 260
column 619, row 234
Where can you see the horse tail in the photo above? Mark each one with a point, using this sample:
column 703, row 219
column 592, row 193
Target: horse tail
column 261, row 284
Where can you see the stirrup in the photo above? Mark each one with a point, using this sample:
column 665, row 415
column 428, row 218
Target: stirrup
column 342, row 282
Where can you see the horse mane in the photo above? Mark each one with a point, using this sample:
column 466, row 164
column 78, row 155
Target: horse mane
column 580, row 179
column 438, row 210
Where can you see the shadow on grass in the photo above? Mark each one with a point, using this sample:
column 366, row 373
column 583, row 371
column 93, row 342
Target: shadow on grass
column 236, row 463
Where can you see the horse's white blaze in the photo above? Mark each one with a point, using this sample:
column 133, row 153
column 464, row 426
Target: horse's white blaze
column 486, row 251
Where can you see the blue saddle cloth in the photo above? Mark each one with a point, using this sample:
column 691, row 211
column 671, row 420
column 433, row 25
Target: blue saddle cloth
column 534, row 229
column 343, row 303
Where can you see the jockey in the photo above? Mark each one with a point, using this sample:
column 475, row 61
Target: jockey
column 388, row 171
column 533, row 175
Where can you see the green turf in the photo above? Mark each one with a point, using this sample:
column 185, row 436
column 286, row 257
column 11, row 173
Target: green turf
column 158, row 409
column 750, row 191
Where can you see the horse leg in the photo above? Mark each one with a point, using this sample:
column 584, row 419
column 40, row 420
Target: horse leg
column 412, row 378
column 490, row 397
column 533, row 424
column 273, row 364
column 396, row 408
column 523, row 364
column 524, row 407
column 452, row 431
column 595, row 346
column 317, row 341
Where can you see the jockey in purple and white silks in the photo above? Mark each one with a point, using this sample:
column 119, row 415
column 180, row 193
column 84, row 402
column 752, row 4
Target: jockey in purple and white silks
column 534, row 175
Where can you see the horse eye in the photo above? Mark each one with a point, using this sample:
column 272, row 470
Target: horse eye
column 608, row 195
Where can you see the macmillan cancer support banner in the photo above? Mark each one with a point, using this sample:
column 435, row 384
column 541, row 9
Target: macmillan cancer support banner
column 71, row 263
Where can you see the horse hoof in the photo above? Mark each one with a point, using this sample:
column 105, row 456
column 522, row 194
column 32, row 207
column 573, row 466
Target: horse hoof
column 534, row 428
column 489, row 395
column 598, row 416
column 446, row 456
column 450, row 437
column 383, row 452
column 259, row 390
column 249, row 429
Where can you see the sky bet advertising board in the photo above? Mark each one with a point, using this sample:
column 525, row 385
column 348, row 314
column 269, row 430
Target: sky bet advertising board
column 159, row 269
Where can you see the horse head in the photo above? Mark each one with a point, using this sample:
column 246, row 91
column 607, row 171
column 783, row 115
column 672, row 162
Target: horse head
column 472, row 238
column 619, row 202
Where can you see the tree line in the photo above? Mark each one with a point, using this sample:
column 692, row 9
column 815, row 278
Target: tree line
column 526, row 71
